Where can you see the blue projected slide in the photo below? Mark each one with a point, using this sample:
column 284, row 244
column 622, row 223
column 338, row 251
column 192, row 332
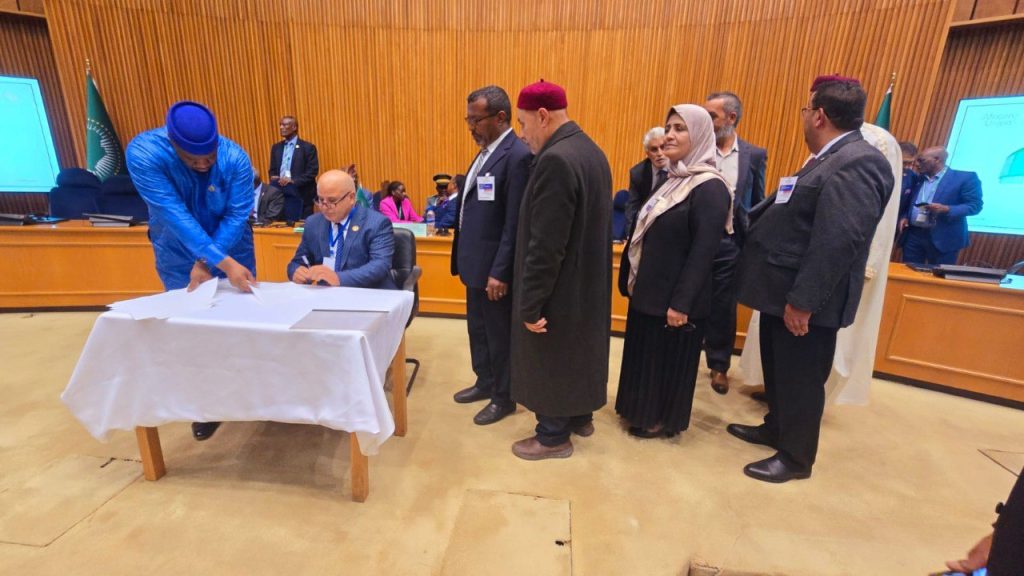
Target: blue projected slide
column 988, row 138
column 28, row 160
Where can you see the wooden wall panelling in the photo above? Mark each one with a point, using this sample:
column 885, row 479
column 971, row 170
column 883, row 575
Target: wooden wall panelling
column 383, row 83
column 964, row 10
column 993, row 8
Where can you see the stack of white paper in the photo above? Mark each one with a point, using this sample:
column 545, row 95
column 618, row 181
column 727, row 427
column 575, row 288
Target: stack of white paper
column 167, row 304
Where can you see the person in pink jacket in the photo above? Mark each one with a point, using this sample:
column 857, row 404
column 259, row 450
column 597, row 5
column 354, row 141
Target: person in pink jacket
column 397, row 207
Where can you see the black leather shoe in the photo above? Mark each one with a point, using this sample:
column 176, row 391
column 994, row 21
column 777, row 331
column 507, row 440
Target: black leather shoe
column 492, row 413
column 752, row 434
column 204, row 430
column 775, row 470
column 471, row 394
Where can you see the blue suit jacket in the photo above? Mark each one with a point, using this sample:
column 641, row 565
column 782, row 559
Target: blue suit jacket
column 445, row 212
column 961, row 191
column 485, row 245
column 365, row 258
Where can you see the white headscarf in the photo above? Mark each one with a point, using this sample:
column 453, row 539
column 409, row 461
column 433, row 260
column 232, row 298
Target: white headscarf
column 697, row 167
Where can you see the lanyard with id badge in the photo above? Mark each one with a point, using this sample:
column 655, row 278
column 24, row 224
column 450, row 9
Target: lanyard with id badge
column 337, row 242
column 485, row 188
column 786, row 186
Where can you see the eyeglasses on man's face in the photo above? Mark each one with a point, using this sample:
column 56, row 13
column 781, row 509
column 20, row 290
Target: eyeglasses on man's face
column 471, row 122
column 331, row 202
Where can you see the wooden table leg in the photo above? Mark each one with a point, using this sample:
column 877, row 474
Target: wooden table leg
column 152, row 455
column 360, row 470
column 398, row 383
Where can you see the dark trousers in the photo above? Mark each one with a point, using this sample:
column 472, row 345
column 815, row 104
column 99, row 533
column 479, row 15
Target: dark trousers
column 918, row 248
column 795, row 371
column 1007, row 554
column 720, row 335
column 552, row 431
column 490, row 341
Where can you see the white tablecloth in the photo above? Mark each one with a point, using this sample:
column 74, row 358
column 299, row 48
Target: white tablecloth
column 240, row 361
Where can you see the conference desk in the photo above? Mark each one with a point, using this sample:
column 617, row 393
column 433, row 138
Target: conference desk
column 961, row 336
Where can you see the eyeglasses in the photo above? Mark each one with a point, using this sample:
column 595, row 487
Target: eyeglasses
column 330, row 202
column 810, row 108
column 474, row 121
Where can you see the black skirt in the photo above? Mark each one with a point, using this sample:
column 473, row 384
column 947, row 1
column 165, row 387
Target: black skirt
column 659, row 372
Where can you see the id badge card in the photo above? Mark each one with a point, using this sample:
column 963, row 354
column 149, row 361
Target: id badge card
column 785, row 190
column 485, row 188
column 329, row 262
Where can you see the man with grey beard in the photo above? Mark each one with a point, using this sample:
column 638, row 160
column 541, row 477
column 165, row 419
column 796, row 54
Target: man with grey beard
column 743, row 166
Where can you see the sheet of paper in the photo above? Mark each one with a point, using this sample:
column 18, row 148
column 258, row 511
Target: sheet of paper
column 167, row 304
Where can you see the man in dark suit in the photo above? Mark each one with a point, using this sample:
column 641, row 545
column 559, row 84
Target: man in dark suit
column 803, row 266
column 562, row 294
column 343, row 245
column 269, row 201
column 485, row 222
column 645, row 177
column 293, row 168
column 743, row 166
column 934, row 225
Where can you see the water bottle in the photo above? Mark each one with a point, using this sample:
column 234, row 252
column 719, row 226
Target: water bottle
column 429, row 219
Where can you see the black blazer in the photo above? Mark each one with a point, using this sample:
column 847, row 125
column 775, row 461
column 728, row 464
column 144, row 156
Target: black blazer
column 811, row 251
column 485, row 244
column 305, row 166
column 679, row 247
column 750, row 183
column 271, row 206
column 641, row 179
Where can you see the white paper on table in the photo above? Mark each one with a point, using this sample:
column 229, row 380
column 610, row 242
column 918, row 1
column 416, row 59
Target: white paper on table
column 280, row 293
column 352, row 299
column 171, row 303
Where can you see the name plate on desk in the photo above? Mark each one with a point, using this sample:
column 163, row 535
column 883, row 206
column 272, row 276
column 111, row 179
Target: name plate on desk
column 418, row 229
column 358, row 320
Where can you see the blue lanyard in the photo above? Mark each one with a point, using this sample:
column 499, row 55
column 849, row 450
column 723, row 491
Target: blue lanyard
column 341, row 231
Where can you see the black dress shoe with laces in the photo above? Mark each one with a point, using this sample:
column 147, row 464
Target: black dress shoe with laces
column 471, row 394
column 492, row 413
column 776, row 470
column 752, row 434
column 204, row 430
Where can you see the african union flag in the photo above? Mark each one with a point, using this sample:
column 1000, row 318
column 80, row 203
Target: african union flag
column 104, row 156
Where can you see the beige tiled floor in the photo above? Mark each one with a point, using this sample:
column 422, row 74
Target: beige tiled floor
column 899, row 486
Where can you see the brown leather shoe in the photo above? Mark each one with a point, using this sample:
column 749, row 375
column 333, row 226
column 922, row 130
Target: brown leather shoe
column 532, row 449
column 585, row 430
column 719, row 382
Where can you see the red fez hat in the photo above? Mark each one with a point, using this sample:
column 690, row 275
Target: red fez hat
column 833, row 78
column 542, row 95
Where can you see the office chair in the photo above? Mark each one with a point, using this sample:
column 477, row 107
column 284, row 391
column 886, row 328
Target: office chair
column 406, row 274
column 119, row 196
column 75, row 194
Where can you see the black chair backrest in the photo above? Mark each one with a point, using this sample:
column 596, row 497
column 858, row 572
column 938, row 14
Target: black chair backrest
column 119, row 196
column 76, row 193
column 292, row 208
column 403, row 267
column 404, row 259
column 120, row 184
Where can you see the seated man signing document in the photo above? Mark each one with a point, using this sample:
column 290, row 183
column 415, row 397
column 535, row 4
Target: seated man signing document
column 343, row 244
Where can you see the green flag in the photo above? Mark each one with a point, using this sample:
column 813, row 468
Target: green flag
column 104, row 156
column 885, row 110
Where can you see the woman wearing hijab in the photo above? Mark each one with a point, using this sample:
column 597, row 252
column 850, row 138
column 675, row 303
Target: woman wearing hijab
column 397, row 206
column 666, row 274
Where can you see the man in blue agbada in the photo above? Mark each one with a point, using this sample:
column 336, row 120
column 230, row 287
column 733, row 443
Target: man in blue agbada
column 198, row 186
